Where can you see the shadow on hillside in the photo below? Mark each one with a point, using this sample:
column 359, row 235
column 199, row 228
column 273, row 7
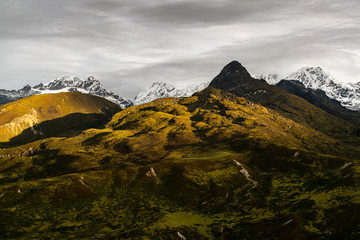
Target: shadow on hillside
column 68, row 126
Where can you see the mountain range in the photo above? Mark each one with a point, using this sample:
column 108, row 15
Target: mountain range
column 161, row 90
column 315, row 78
column 65, row 84
column 240, row 159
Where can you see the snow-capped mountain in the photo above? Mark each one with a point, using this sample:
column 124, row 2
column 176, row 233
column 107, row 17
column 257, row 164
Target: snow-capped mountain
column 312, row 77
column 161, row 90
column 13, row 95
column 271, row 78
column 66, row 84
column 316, row 78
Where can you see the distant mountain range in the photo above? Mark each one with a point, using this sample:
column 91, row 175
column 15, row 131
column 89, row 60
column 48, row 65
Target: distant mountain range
column 161, row 90
column 315, row 78
column 90, row 86
column 271, row 78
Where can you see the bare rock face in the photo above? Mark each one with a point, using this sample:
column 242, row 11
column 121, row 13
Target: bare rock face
column 233, row 77
column 151, row 173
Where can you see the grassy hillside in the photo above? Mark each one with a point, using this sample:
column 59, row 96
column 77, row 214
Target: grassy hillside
column 211, row 116
column 212, row 166
column 29, row 113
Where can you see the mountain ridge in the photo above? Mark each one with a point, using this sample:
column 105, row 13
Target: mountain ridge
column 161, row 90
column 90, row 86
column 210, row 166
column 235, row 79
column 317, row 78
column 320, row 99
column 245, row 161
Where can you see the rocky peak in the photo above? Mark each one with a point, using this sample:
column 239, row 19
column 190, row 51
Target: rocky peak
column 39, row 87
column 234, row 76
column 63, row 82
column 235, row 68
column 92, row 79
column 26, row 88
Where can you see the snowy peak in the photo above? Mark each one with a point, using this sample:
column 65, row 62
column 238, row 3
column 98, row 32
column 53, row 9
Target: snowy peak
column 271, row 78
column 90, row 86
column 154, row 91
column 316, row 78
column 312, row 77
column 162, row 90
column 235, row 69
column 63, row 82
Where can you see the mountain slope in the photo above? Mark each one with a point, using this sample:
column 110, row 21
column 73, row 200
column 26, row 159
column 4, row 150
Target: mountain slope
column 213, row 116
column 90, row 86
column 31, row 112
column 162, row 90
column 320, row 99
column 234, row 78
column 211, row 166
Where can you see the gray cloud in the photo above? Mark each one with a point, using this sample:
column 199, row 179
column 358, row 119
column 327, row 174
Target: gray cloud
column 129, row 44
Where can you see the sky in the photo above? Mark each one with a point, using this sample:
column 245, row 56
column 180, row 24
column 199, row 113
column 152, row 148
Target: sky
column 129, row 44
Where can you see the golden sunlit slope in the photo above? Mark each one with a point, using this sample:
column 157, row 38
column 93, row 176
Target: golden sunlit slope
column 211, row 116
column 211, row 166
column 15, row 117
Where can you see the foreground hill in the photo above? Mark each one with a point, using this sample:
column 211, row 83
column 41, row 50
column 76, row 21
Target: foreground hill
column 47, row 115
column 211, row 166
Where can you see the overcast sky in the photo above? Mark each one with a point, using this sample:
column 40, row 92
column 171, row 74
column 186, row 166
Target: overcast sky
column 128, row 44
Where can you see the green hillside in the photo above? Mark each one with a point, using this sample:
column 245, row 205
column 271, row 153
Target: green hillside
column 211, row 166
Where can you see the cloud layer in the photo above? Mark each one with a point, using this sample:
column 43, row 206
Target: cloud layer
column 129, row 44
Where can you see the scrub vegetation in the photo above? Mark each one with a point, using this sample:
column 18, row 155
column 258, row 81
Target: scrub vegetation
column 211, row 166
